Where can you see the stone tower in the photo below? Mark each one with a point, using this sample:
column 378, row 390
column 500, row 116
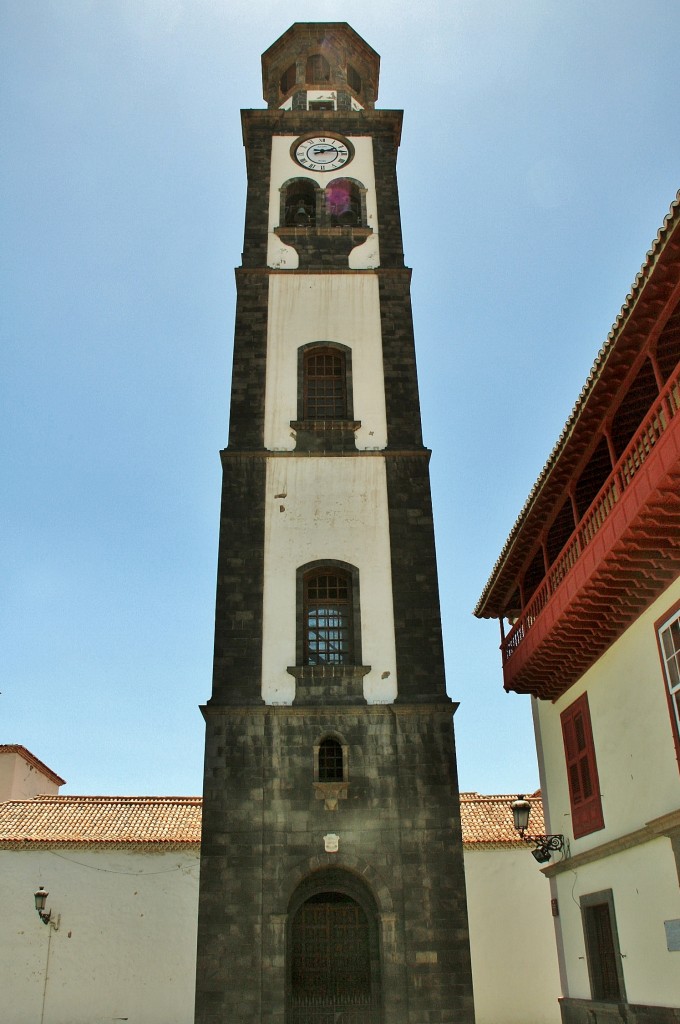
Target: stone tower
column 332, row 885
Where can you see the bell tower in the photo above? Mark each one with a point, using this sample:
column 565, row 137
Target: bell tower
column 332, row 883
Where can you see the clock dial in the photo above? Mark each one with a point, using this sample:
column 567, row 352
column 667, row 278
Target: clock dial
column 322, row 153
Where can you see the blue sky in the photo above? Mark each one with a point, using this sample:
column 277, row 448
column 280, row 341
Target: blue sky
column 540, row 154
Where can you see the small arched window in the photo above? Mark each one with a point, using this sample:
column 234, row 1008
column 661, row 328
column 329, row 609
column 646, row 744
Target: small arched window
column 353, row 78
column 287, row 79
column 300, row 204
column 318, row 70
column 324, row 396
column 328, row 633
column 343, row 204
column 331, row 767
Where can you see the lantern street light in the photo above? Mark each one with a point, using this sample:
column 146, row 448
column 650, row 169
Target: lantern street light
column 40, row 897
column 544, row 844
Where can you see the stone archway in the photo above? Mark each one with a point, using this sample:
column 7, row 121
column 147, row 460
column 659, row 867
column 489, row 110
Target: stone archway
column 333, row 968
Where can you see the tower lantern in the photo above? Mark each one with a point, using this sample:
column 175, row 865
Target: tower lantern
column 332, row 881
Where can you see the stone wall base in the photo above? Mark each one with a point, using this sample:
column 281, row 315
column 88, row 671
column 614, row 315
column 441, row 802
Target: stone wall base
column 589, row 1011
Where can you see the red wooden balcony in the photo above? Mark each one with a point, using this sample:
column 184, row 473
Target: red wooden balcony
column 622, row 555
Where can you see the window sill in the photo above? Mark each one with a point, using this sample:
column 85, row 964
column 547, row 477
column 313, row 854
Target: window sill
column 329, row 684
column 328, row 671
column 330, row 793
column 344, row 231
column 322, row 425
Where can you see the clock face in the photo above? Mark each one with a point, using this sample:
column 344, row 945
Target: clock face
column 322, row 153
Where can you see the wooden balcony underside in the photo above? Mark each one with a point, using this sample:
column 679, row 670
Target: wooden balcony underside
column 625, row 554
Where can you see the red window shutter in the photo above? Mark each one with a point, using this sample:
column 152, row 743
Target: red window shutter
column 584, row 785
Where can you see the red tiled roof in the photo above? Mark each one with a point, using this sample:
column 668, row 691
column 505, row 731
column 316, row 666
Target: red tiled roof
column 16, row 748
column 114, row 820
column 101, row 819
column 487, row 820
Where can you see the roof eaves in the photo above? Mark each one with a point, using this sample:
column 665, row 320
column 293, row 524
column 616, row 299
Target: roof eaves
column 670, row 222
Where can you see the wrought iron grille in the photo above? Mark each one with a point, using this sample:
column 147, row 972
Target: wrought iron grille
column 331, row 964
column 325, row 392
column 331, row 768
column 328, row 633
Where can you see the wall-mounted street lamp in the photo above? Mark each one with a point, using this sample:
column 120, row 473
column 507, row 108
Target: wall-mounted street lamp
column 545, row 845
column 40, row 897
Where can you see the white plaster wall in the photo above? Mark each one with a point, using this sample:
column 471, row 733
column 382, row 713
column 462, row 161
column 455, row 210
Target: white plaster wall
column 315, row 95
column 320, row 508
column 634, row 747
column 644, row 883
column 20, row 780
column 344, row 308
column 512, row 938
column 126, row 944
column 284, row 167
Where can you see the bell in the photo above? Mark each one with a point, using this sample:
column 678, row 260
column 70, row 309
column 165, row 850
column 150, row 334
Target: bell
column 301, row 216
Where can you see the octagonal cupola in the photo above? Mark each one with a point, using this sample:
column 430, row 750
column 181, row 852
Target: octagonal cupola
column 320, row 66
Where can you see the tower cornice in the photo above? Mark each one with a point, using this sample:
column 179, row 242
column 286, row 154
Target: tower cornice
column 346, row 122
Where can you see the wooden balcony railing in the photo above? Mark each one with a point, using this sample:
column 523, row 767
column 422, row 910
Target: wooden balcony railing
column 659, row 418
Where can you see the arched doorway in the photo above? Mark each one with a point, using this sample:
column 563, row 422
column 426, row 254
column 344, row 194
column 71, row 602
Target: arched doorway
column 333, row 968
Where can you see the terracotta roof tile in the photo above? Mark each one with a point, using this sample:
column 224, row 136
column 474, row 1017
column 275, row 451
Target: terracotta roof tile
column 487, row 820
column 101, row 819
column 122, row 820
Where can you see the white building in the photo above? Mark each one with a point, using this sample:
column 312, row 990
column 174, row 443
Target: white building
column 589, row 582
column 122, row 878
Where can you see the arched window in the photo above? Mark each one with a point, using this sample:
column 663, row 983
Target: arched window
column 343, row 204
column 318, row 70
column 299, row 204
column 331, row 765
column 328, row 626
column 324, row 387
column 353, row 78
column 287, row 79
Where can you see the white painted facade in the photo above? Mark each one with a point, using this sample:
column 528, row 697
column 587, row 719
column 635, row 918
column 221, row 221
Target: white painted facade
column 512, row 938
column 126, row 943
column 323, row 96
column 360, row 169
column 640, row 784
column 320, row 511
column 324, row 507
column 22, row 777
column 336, row 308
column 125, row 948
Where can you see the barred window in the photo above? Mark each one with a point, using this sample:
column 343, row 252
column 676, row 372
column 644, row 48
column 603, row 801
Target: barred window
column 325, row 384
column 328, row 632
column 331, row 766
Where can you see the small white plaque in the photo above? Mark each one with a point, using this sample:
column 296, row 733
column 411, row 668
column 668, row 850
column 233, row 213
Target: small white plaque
column 331, row 842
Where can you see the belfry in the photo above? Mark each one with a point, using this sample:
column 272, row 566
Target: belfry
column 332, row 886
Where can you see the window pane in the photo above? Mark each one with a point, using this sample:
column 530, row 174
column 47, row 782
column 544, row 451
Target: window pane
column 330, row 761
column 325, row 393
column 328, row 618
